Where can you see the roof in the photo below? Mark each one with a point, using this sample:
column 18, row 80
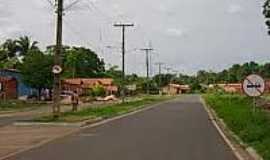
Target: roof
column 6, row 79
column 183, row 87
column 10, row 70
column 89, row 81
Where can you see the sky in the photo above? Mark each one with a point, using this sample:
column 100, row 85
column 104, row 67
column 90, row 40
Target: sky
column 187, row 35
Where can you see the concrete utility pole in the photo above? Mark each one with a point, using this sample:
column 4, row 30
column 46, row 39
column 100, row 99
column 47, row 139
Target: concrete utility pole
column 159, row 64
column 123, row 26
column 57, row 58
column 147, row 50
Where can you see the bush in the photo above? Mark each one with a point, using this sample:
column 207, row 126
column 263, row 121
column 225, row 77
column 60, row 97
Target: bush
column 98, row 91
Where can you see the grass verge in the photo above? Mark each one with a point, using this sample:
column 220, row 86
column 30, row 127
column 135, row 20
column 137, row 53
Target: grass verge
column 105, row 111
column 15, row 105
column 253, row 128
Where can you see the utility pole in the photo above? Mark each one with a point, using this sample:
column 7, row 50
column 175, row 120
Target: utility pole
column 159, row 74
column 147, row 50
column 123, row 26
column 57, row 59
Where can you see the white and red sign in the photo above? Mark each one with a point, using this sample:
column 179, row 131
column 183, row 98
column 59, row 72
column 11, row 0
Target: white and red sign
column 57, row 69
column 254, row 85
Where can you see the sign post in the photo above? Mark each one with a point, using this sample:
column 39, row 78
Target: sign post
column 254, row 86
column 1, row 87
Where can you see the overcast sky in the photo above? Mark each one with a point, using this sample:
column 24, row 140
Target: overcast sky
column 188, row 35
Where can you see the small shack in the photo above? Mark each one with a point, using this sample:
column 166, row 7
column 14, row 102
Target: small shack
column 22, row 89
column 8, row 88
column 174, row 89
column 83, row 85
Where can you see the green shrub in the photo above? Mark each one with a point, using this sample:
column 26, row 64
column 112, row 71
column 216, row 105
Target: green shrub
column 237, row 112
column 98, row 91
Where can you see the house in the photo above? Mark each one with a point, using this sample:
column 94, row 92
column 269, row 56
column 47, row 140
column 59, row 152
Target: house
column 83, row 85
column 229, row 87
column 174, row 89
column 22, row 90
column 8, row 88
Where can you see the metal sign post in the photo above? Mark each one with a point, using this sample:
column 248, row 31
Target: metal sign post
column 254, row 86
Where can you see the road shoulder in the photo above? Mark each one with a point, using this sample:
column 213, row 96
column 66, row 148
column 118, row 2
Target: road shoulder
column 241, row 150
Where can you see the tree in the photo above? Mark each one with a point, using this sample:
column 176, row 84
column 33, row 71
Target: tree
column 82, row 62
column 37, row 70
column 24, row 44
column 9, row 54
column 10, row 48
column 266, row 13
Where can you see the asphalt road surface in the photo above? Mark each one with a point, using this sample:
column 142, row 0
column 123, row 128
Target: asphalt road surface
column 177, row 130
column 4, row 121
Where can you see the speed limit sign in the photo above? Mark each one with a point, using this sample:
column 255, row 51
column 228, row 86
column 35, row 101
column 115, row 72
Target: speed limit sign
column 254, row 85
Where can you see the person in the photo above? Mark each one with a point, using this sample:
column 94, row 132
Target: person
column 75, row 101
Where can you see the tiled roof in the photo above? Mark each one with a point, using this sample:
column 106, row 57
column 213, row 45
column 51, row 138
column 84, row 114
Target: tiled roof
column 5, row 79
column 89, row 81
column 10, row 70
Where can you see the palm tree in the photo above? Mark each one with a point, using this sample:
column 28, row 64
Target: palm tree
column 10, row 48
column 24, row 45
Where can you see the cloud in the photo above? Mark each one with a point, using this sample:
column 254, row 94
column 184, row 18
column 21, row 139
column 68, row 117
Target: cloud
column 165, row 10
column 234, row 9
column 176, row 32
column 10, row 31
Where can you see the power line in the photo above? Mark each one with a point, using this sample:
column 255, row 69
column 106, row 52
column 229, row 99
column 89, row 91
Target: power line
column 123, row 26
column 78, row 34
column 147, row 51
column 71, row 5
column 160, row 64
column 51, row 3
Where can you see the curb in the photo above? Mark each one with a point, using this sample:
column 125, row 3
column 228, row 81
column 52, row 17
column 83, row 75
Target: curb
column 79, row 124
column 217, row 122
column 87, row 126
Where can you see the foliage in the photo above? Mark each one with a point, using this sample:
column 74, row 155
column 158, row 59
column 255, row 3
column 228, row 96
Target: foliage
column 234, row 74
column 37, row 70
column 12, row 52
column 12, row 105
column 98, row 91
column 266, row 13
column 24, row 45
column 237, row 112
column 164, row 79
column 82, row 62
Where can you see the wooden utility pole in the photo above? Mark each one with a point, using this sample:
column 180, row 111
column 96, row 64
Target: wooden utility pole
column 147, row 50
column 123, row 26
column 57, row 58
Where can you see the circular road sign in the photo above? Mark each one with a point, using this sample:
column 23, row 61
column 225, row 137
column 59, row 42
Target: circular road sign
column 254, row 85
column 57, row 69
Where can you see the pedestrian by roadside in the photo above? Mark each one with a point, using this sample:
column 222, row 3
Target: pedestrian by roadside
column 75, row 101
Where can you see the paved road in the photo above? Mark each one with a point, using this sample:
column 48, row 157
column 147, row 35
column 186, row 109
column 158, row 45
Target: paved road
column 4, row 121
column 177, row 130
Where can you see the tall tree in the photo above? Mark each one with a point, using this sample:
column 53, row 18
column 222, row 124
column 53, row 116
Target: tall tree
column 24, row 44
column 82, row 62
column 37, row 70
column 9, row 54
column 266, row 13
column 10, row 48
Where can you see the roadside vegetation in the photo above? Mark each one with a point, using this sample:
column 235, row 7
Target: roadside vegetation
column 16, row 105
column 252, row 128
column 106, row 111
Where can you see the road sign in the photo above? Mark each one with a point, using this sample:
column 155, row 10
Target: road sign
column 57, row 69
column 253, row 85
